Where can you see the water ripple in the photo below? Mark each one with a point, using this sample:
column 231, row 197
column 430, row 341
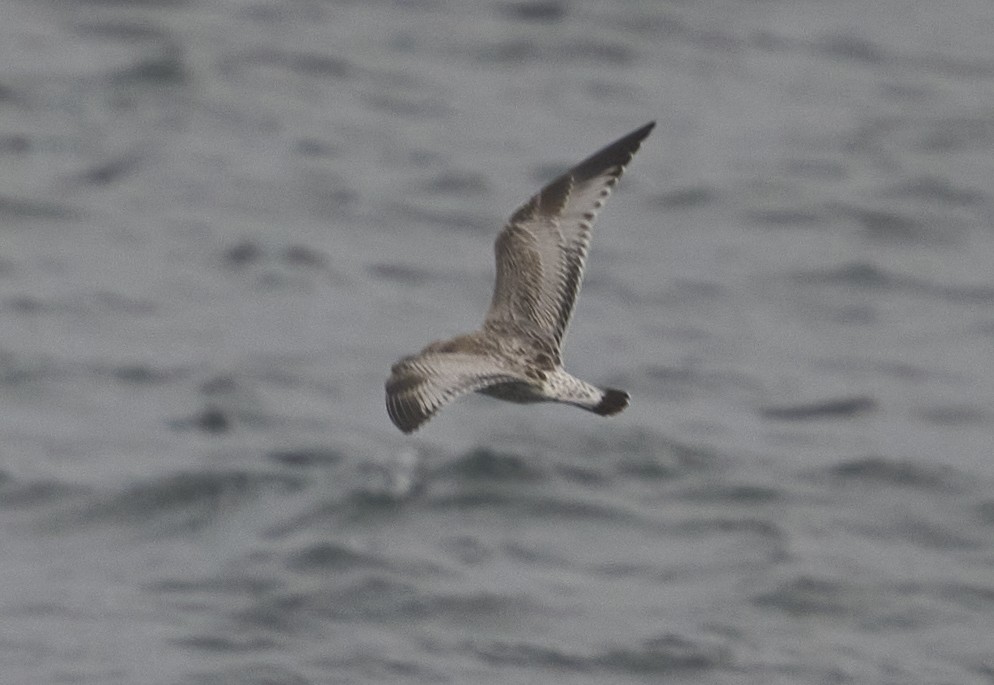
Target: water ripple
column 664, row 655
column 896, row 472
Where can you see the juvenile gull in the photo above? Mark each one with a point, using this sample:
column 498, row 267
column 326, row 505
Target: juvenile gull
column 516, row 355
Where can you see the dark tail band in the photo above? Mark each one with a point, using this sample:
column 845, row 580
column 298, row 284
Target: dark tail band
column 612, row 402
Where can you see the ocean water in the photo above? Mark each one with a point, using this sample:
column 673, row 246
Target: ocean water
column 221, row 222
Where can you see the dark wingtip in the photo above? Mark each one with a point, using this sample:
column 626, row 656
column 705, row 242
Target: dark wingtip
column 617, row 154
column 612, row 402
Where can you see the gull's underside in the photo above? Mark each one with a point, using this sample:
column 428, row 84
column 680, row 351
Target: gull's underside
column 541, row 254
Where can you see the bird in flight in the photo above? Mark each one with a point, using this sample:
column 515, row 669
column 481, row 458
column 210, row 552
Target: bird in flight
column 516, row 354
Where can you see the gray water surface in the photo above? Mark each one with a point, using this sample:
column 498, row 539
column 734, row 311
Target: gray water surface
column 221, row 222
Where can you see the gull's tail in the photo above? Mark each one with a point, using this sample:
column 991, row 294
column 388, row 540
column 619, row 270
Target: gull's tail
column 612, row 402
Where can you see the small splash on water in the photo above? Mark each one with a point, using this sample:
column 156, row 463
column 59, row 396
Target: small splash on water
column 395, row 478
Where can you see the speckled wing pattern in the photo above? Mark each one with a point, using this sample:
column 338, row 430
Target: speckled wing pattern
column 422, row 384
column 540, row 255
column 542, row 251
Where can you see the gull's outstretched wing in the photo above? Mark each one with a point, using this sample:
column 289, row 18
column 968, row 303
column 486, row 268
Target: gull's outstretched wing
column 422, row 384
column 542, row 251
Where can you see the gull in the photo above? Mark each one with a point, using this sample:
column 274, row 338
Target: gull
column 517, row 354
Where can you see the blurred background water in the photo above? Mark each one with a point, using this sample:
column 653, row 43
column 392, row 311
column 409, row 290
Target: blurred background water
column 221, row 222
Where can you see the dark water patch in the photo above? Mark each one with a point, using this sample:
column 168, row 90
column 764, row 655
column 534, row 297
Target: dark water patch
column 785, row 216
column 669, row 26
column 957, row 415
column 576, row 509
column 441, row 218
column 934, row 190
column 258, row 673
column 181, row 502
column 373, row 666
column 31, row 305
column 457, row 183
column 583, row 475
column 211, row 420
column 472, row 499
column 892, row 226
column 908, row 93
column 122, row 31
column 819, row 169
column 535, row 555
column 15, row 370
column 530, row 504
column 678, row 382
column 304, row 256
column 306, row 456
column 380, row 598
column 535, row 11
column 955, row 67
column 870, row 276
column 16, row 493
column 416, row 105
column 854, row 274
column 610, row 92
column 333, row 556
column 839, row 408
column 522, row 52
column 665, row 654
column 15, row 143
column 155, row 70
column 477, row 608
column 733, row 493
column 275, row 615
column 226, row 644
column 468, row 550
column 655, row 458
column 302, row 63
column 219, row 385
column 527, row 655
column 965, row 294
column 242, row 253
column 24, row 208
column 141, row 374
column 691, row 197
column 368, row 504
column 484, row 464
column 700, row 527
column 977, row 598
column 928, row 535
column 125, row 304
column 898, row 473
column 852, row 315
column 658, row 656
column 807, row 596
column 400, row 273
column 138, row 3
column 219, row 585
column 985, row 512
column 648, row 468
column 957, row 134
column 315, row 147
column 849, row 48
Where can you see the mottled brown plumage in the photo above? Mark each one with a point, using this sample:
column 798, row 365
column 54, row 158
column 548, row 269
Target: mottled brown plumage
column 515, row 356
